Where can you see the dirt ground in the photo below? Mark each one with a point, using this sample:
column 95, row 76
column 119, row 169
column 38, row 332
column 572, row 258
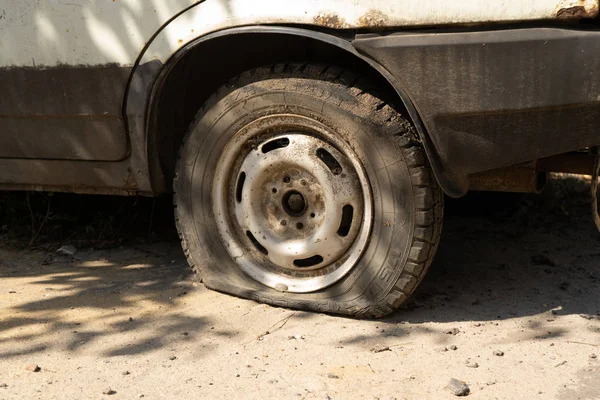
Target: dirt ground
column 517, row 277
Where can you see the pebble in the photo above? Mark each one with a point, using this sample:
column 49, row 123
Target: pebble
column 125, row 373
column 453, row 331
column 3, row 385
column 332, row 376
column 172, row 358
column 453, row 347
column 560, row 363
column 458, row 388
column 33, row 368
column 67, row 250
column 593, row 356
column 471, row 364
column 541, row 259
column 441, row 349
column 378, row 348
column 498, row 353
column 109, row 392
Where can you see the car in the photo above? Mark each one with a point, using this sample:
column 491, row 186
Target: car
column 308, row 145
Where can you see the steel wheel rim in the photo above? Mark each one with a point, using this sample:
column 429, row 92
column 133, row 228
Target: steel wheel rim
column 292, row 203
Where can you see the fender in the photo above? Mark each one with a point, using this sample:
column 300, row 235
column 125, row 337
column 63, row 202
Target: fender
column 451, row 183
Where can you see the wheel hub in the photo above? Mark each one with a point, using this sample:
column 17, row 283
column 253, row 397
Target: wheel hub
column 294, row 203
column 296, row 215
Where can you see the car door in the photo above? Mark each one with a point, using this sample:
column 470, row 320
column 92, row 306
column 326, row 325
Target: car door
column 64, row 68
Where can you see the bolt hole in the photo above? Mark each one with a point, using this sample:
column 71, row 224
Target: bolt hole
column 300, row 225
column 275, row 144
column 308, row 262
column 286, row 179
column 329, row 160
column 240, row 187
column 256, row 244
column 346, row 223
column 303, row 182
column 274, row 190
column 283, row 223
column 312, row 215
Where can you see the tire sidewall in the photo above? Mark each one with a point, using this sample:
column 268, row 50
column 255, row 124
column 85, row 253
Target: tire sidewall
column 359, row 125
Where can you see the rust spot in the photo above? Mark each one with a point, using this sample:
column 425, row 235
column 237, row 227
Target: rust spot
column 572, row 13
column 373, row 19
column 330, row 20
column 180, row 41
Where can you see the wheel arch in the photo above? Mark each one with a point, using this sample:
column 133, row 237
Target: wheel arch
column 199, row 68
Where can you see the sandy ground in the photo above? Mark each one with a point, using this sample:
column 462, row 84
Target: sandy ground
column 133, row 319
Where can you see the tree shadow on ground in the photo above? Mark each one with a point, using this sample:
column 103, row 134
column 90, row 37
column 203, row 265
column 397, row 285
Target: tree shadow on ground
column 530, row 256
column 96, row 296
column 537, row 257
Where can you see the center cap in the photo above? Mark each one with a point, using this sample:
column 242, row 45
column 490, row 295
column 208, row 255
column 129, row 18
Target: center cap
column 294, row 203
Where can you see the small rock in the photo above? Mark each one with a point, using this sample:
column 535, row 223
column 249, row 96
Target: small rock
column 564, row 286
column 593, row 356
column 332, row 376
column 3, row 385
column 172, row 358
column 130, row 319
column 412, row 377
column 453, row 331
column 109, row 392
column 441, row 349
column 541, row 259
column 490, row 383
column 378, row 348
column 67, row 250
column 33, row 368
column 458, row 388
column 471, row 364
column 561, row 363
column 141, row 395
column 184, row 333
column 498, row 353
column 453, row 347
column 125, row 373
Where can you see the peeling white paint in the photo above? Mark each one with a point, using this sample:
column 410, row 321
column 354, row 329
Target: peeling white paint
column 93, row 32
